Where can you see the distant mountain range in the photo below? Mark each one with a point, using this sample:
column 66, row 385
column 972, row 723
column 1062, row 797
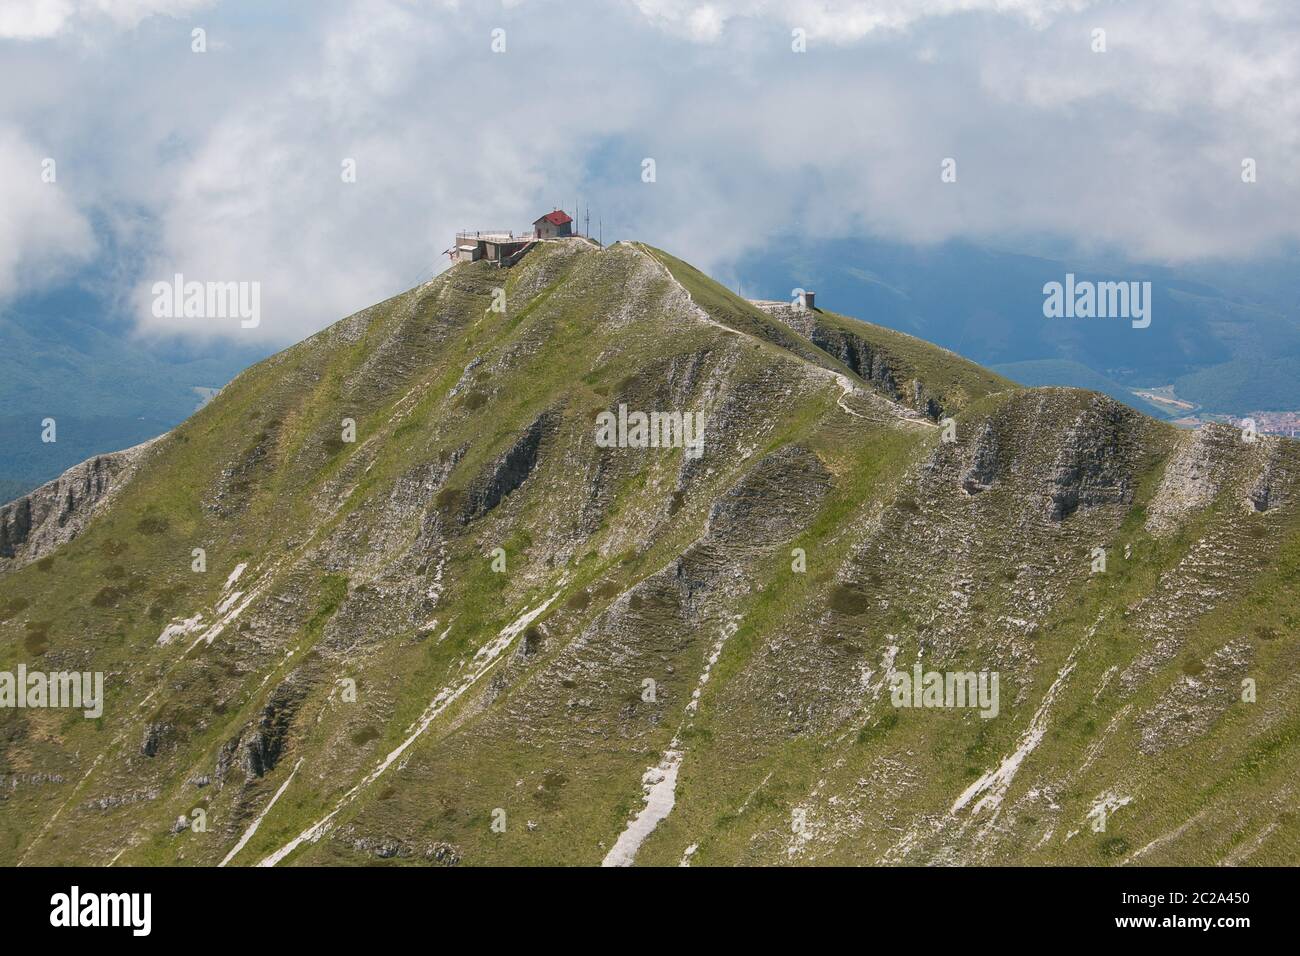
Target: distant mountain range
column 1227, row 336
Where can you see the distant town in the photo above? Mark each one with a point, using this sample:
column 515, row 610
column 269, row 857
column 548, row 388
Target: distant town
column 1277, row 423
column 1285, row 423
column 1266, row 423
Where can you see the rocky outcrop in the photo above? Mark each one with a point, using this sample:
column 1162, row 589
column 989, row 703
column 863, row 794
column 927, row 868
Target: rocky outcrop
column 508, row 472
column 984, row 463
column 151, row 741
column 56, row 512
column 876, row 366
column 1267, row 492
column 262, row 742
column 1193, row 477
column 388, row 847
column 1093, row 466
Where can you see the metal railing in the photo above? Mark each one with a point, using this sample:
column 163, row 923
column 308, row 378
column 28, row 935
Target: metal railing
column 494, row 235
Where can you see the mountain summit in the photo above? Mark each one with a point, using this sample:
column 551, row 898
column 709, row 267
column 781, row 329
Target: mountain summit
column 448, row 582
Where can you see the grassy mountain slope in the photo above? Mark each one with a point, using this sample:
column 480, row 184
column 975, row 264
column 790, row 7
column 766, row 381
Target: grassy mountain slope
column 473, row 636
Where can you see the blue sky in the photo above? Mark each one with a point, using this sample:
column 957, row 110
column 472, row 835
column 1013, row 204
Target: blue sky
column 225, row 165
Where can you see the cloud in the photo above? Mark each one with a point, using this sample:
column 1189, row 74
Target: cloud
column 836, row 21
column 44, row 19
column 33, row 19
column 225, row 166
column 260, row 196
column 42, row 235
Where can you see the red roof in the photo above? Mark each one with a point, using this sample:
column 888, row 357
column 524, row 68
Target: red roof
column 557, row 218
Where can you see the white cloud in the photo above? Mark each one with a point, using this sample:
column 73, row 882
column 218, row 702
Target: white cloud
column 42, row 235
column 837, row 21
column 261, row 197
column 43, row 19
column 225, row 166
column 32, row 19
